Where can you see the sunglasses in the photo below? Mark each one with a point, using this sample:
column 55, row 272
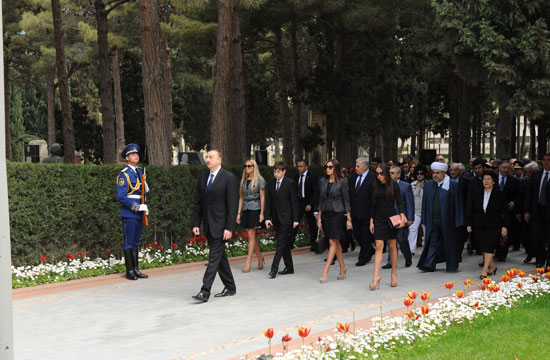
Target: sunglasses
column 420, row 173
column 330, row 167
column 248, row 166
column 380, row 173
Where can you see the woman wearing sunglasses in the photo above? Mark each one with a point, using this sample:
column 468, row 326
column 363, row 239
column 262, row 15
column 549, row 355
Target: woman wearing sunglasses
column 386, row 202
column 251, row 209
column 334, row 210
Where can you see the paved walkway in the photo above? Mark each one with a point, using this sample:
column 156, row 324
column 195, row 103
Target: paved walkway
column 112, row 318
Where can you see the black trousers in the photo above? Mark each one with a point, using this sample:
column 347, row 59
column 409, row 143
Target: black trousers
column 311, row 222
column 527, row 239
column 217, row 263
column 541, row 235
column 365, row 239
column 284, row 245
column 436, row 244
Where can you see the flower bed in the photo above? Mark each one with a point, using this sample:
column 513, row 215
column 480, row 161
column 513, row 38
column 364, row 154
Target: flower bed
column 428, row 319
column 80, row 265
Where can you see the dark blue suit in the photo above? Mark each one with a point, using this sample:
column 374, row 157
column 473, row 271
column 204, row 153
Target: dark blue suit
column 361, row 205
column 407, row 199
column 442, row 236
column 128, row 194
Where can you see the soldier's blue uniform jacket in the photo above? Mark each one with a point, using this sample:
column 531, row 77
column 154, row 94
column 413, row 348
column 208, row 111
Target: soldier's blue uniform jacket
column 129, row 192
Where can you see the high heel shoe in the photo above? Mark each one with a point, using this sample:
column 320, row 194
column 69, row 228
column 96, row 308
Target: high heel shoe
column 323, row 280
column 343, row 275
column 393, row 283
column 261, row 265
column 375, row 286
column 246, row 269
column 494, row 272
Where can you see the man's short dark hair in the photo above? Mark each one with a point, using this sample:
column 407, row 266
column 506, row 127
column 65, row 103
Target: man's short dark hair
column 478, row 161
column 279, row 165
column 216, row 150
column 376, row 160
column 302, row 160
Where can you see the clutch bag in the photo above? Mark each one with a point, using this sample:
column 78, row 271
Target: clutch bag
column 394, row 221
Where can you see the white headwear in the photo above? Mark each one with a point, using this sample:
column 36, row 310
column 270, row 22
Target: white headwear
column 439, row 166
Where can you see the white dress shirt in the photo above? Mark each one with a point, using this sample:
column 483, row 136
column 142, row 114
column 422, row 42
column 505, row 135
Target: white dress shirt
column 215, row 173
column 486, row 197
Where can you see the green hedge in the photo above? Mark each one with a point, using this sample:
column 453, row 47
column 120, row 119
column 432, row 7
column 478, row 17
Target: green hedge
column 59, row 209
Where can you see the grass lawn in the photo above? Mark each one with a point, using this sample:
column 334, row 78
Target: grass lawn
column 522, row 333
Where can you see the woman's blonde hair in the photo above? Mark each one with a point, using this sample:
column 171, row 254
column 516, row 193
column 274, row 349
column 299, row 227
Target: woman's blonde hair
column 255, row 177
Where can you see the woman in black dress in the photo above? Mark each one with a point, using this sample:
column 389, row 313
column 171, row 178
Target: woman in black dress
column 386, row 202
column 487, row 218
column 334, row 210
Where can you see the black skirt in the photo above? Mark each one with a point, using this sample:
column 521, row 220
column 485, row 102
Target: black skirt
column 333, row 224
column 382, row 229
column 250, row 219
column 487, row 239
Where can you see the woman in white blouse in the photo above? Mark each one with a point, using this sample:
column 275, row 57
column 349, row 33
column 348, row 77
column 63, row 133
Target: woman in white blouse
column 418, row 192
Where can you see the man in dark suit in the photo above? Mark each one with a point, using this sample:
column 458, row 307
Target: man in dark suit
column 282, row 212
column 360, row 196
column 407, row 199
column 509, row 185
column 538, row 212
column 216, row 203
column 308, row 197
column 475, row 183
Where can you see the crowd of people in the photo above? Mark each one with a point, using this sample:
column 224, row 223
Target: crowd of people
column 493, row 206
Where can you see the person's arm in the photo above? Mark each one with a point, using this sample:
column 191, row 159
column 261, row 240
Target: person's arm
column 347, row 205
column 294, row 205
column 232, row 201
column 262, row 204
column 459, row 206
column 122, row 192
column 241, row 200
column 410, row 205
column 197, row 208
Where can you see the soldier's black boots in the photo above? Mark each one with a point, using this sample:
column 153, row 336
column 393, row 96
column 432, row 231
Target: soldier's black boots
column 129, row 262
column 135, row 257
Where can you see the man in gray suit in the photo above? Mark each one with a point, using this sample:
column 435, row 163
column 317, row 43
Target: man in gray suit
column 216, row 204
column 407, row 199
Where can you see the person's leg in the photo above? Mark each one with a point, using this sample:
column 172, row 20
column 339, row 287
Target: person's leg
column 365, row 239
column 340, row 257
column 224, row 270
column 135, row 249
column 435, row 243
column 128, row 230
column 413, row 234
column 217, row 250
column 393, row 252
column 258, row 251
column 331, row 253
column 288, row 232
column 402, row 237
column 313, row 229
column 377, row 262
column 251, row 246
column 281, row 245
column 487, row 258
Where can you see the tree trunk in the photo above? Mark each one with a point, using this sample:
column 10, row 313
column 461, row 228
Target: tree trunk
column 513, row 137
column 532, row 140
column 464, row 113
column 51, row 107
column 222, row 79
column 491, row 144
column 454, row 108
column 119, row 111
column 237, row 108
column 521, row 152
column 154, row 90
column 7, row 108
column 68, row 131
column 476, row 122
column 542, row 138
column 167, row 63
column 504, row 128
column 105, row 84
column 296, row 100
column 284, row 112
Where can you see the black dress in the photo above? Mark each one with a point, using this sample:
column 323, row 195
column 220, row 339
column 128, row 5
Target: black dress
column 487, row 224
column 333, row 222
column 382, row 211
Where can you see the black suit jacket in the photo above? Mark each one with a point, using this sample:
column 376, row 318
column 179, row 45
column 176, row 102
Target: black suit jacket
column 361, row 201
column 282, row 205
column 532, row 200
column 497, row 210
column 217, row 208
column 311, row 189
column 511, row 189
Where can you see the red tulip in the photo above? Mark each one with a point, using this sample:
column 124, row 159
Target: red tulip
column 412, row 315
column 476, row 306
column 487, row 280
column 87, row 254
column 468, row 282
column 521, row 273
column 150, row 246
column 106, row 251
column 155, row 243
column 42, row 258
column 505, row 278
column 481, row 286
column 303, row 331
column 343, row 328
column 535, row 278
column 494, row 288
column 412, row 294
column 425, row 309
column 79, row 254
column 407, row 302
column 459, row 294
column 269, row 333
column 243, row 234
column 540, row 271
column 449, row 285
column 203, row 238
column 547, row 275
column 265, row 231
column 160, row 247
column 520, row 285
column 174, row 246
column 514, row 271
column 286, row 338
column 425, row 296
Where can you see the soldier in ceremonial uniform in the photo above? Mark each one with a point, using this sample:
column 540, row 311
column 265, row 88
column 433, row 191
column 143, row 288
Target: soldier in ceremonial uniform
column 131, row 209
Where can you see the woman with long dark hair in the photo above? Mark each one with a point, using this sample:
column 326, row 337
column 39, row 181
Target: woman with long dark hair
column 386, row 202
column 334, row 211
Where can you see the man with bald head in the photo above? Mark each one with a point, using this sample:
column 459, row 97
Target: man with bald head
column 442, row 214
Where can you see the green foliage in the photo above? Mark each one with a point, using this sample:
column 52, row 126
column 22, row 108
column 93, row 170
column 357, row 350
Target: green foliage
column 60, row 209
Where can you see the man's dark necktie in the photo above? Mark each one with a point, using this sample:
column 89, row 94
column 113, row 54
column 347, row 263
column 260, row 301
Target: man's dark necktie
column 502, row 183
column 542, row 195
column 210, row 182
column 301, row 183
column 278, row 185
column 358, row 184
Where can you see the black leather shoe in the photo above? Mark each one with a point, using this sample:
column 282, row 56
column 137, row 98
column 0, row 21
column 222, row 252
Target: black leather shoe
column 352, row 245
column 333, row 261
column 135, row 255
column 129, row 262
column 285, row 271
column 361, row 263
column 387, row 266
column 528, row 259
column 273, row 275
column 427, row 269
column 481, row 264
column 226, row 292
column 200, row 297
column 408, row 263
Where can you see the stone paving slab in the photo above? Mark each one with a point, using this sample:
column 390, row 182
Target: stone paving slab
column 157, row 319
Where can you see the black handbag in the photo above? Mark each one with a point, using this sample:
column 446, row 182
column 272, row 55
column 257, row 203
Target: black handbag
column 322, row 242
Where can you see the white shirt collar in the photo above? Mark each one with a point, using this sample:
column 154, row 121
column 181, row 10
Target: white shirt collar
column 133, row 168
column 280, row 180
column 215, row 173
column 304, row 174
